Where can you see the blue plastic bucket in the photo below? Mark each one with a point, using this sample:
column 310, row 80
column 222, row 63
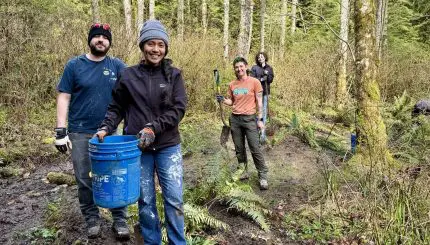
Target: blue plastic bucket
column 115, row 168
column 353, row 142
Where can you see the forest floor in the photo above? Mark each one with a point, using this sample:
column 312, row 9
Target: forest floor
column 29, row 202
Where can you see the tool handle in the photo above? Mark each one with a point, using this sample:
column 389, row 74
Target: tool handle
column 217, row 81
column 216, row 75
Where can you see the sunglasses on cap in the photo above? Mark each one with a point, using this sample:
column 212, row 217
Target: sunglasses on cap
column 104, row 26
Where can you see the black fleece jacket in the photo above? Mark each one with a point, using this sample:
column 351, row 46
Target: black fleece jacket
column 258, row 72
column 139, row 97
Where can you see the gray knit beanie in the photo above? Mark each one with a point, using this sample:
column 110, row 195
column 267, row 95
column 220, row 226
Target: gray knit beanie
column 153, row 29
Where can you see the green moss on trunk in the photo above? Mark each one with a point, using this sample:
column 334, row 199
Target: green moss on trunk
column 372, row 136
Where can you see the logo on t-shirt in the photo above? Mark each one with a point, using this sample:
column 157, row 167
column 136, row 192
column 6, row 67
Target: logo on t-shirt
column 240, row 91
column 108, row 72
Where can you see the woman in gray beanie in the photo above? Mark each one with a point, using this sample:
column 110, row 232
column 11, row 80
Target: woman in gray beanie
column 151, row 99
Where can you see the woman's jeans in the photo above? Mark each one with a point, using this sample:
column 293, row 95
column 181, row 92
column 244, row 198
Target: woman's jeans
column 167, row 163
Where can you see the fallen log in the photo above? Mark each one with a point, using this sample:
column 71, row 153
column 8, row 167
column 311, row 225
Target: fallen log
column 9, row 171
column 60, row 178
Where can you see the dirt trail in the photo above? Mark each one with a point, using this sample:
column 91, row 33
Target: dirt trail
column 292, row 170
column 26, row 203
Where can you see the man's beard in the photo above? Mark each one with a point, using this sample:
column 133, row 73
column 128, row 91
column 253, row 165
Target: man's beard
column 98, row 53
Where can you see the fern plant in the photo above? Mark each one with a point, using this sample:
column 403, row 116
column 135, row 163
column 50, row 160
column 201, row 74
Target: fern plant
column 222, row 185
column 304, row 131
column 198, row 218
column 240, row 196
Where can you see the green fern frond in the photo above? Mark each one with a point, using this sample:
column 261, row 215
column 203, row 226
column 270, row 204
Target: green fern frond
column 295, row 121
column 164, row 235
column 198, row 217
column 402, row 104
column 251, row 210
column 245, row 196
column 197, row 240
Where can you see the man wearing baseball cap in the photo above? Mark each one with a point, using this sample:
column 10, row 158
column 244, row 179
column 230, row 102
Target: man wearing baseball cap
column 84, row 93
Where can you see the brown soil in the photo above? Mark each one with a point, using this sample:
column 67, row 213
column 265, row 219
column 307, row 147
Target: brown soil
column 25, row 201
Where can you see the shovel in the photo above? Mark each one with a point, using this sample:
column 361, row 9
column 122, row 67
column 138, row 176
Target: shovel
column 225, row 133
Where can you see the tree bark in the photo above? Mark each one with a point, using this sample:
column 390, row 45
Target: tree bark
column 262, row 23
column 341, row 90
column 241, row 42
column 244, row 27
column 381, row 28
column 293, row 16
column 226, row 29
column 204, row 16
column 181, row 19
column 249, row 27
column 151, row 9
column 127, row 15
column 371, row 132
column 95, row 11
column 283, row 27
column 140, row 13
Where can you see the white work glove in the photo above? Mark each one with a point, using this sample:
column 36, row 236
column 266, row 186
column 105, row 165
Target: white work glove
column 62, row 142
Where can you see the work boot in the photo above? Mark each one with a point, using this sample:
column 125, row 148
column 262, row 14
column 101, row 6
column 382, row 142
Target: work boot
column 93, row 228
column 120, row 228
column 244, row 175
column 263, row 184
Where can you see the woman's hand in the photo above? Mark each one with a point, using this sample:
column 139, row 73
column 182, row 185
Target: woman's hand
column 260, row 125
column 101, row 133
column 146, row 137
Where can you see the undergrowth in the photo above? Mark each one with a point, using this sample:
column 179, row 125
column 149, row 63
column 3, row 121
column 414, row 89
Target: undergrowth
column 365, row 205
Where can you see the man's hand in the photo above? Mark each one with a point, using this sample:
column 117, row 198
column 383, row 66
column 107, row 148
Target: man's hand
column 146, row 137
column 62, row 142
column 220, row 98
column 101, row 133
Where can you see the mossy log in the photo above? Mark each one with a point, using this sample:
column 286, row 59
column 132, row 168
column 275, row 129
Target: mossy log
column 8, row 171
column 61, row 178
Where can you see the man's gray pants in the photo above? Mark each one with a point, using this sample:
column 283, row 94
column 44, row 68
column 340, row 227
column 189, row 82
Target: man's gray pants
column 82, row 168
column 245, row 126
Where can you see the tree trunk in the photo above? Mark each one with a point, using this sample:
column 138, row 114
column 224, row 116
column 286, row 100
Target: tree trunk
column 151, row 9
column 140, row 13
column 241, row 42
column 95, row 10
column 293, row 16
column 283, row 27
column 341, row 91
column 381, row 14
column 371, row 132
column 226, row 30
column 245, row 27
column 127, row 15
column 181, row 19
column 249, row 27
column 204, row 16
column 262, row 24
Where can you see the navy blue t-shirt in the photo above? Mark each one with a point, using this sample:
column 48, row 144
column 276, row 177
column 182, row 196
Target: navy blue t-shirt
column 90, row 84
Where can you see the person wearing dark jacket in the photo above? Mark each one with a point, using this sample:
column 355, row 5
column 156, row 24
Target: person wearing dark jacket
column 151, row 99
column 264, row 73
column 421, row 107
